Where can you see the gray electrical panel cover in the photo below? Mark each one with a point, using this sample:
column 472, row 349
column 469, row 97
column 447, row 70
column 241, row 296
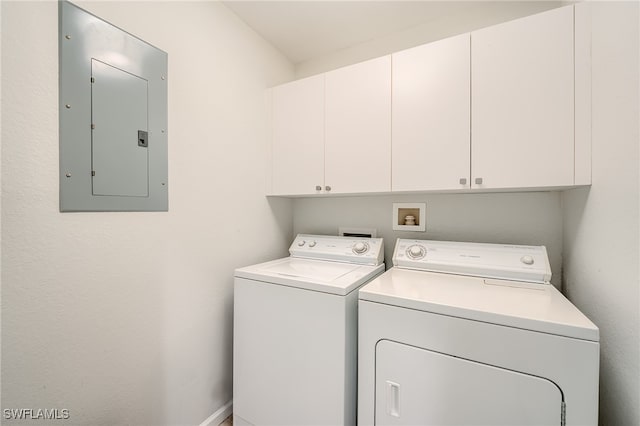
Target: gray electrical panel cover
column 113, row 117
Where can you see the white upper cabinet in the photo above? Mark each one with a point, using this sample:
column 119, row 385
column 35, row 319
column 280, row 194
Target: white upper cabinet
column 297, row 152
column 358, row 128
column 506, row 107
column 522, row 97
column 431, row 116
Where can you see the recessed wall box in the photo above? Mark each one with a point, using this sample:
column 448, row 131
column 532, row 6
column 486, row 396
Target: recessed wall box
column 409, row 217
column 113, row 117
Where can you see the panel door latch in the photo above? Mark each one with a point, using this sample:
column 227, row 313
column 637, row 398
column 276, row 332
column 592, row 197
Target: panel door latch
column 143, row 138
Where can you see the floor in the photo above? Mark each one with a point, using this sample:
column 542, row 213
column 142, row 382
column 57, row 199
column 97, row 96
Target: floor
column 227, row 422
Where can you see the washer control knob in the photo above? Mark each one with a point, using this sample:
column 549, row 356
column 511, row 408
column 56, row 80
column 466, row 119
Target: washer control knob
column 360, row 248
column 527, row 260
column 312, row 244
column 301, row 243
column 416, row 251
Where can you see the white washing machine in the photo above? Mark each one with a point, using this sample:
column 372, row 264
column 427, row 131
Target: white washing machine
column 473, row 334
column 295, row 332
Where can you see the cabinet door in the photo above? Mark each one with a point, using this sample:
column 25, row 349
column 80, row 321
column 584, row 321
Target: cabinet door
column 431, row 116
column 297, row 165
column 522, row 96
column 358, row 127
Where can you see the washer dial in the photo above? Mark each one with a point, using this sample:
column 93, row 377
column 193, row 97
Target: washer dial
column 360, row 247
column 527, row 260
column 416, row 252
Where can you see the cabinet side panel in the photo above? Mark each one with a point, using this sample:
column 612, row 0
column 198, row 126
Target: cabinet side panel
column 583, row 93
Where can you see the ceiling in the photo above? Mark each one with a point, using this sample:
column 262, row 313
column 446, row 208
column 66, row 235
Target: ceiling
column 307, row 29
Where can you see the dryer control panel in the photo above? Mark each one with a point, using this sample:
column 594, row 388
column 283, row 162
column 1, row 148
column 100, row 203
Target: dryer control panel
column 500, row 261
column 361, row 250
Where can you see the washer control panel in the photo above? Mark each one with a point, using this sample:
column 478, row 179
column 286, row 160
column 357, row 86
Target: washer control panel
column 367, row 251
column 501, row 261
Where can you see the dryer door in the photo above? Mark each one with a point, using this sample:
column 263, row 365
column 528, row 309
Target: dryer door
column 415, row 386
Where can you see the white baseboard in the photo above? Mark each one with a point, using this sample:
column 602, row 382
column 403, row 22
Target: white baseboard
column 218, row 417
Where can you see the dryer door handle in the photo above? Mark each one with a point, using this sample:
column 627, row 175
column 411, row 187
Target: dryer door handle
column 393, row 399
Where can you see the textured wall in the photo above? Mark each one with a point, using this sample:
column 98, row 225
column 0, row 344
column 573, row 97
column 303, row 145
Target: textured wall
column 126, row 318
column 601, row 232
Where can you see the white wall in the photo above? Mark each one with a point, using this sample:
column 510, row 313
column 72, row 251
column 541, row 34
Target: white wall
column 601, row 232
column 468, row 17
column 0, row 208
column 526, row 218
column 126, row 318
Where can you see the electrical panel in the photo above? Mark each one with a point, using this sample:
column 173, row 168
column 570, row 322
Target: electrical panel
column 113, row 117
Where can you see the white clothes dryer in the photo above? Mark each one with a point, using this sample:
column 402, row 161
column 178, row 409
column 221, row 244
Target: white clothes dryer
column 473, row 334
column 295, row 332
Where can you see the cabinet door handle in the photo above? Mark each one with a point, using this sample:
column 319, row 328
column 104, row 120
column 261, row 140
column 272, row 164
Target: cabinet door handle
column 478, row 181
column 327, row 188
column 318, row 188
column 463, row 181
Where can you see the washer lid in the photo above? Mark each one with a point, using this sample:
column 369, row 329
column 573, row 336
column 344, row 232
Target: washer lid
column 310, row 274
column 516, row 304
